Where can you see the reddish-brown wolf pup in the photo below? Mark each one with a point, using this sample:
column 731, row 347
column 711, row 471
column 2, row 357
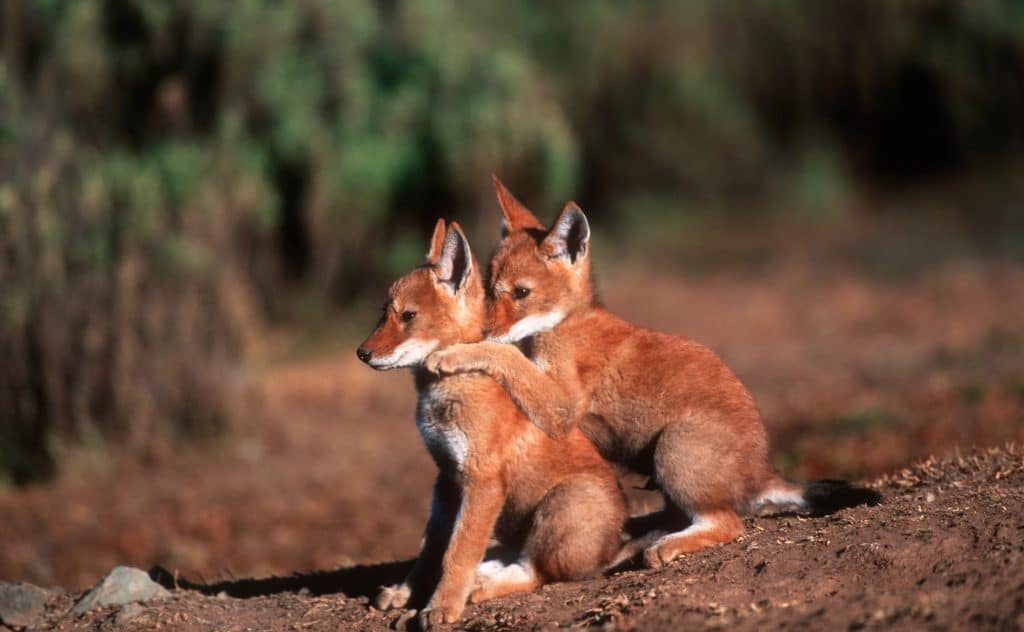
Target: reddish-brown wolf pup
column 554, row 501
column 663, row 405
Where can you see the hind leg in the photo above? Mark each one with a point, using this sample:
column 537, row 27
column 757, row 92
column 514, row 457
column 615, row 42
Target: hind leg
column 573, row 535
column 707, row 529
column 496, row 579
column 704, row 472
column 576, row 528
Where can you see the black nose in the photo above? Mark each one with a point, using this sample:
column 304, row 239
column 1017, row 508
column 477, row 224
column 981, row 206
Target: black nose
column 364, row 354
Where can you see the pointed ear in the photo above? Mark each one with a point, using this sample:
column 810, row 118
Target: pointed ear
column 570, row 235
column 456, row 261
column 515, row 216
column 436, row 242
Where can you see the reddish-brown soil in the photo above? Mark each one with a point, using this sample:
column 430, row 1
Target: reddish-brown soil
column 944, row 551
column 857, row 378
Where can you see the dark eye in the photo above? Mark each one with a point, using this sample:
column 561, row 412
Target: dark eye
column 521, row 292
column 408, row 315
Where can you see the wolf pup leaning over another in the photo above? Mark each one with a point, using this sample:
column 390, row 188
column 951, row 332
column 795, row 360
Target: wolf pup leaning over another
column 665, row 406
column 554, row 501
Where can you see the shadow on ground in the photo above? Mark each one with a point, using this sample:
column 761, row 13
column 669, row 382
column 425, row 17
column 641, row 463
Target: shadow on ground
column 363, row 580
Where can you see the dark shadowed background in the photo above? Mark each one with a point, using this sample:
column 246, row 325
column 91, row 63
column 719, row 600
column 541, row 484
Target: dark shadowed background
column 202, row 203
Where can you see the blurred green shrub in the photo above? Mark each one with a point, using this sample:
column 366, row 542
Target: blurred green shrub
column 160, row 163
column 368, row 118
column 123, row 312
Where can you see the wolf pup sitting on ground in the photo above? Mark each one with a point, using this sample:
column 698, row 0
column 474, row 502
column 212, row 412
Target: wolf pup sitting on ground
column 663, row 405
column 555, row 502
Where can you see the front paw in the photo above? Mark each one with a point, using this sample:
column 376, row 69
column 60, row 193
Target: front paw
column 392, row 597
column 457, row 358
column 435, row 615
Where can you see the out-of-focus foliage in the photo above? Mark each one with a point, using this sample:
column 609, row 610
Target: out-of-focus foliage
column 162, row 163
column 122, row 309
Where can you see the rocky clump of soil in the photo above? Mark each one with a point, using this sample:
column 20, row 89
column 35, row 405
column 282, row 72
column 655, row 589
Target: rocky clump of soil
column 944, row 550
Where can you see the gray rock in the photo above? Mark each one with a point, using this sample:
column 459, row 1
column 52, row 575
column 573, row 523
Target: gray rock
column 22, row 605
column 127, row 613
column 122, row 585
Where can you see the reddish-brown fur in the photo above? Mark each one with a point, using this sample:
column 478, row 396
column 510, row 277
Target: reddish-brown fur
column 665, row 406
column 554, row 502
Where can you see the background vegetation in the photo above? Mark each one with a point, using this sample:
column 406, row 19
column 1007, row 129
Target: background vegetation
column 173, row 174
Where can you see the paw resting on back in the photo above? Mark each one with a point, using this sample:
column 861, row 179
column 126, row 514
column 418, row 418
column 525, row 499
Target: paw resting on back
column 457, row 358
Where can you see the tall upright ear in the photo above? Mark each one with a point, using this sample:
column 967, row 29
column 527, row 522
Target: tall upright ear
column 570, row 235
column 515, row 216
column 436, row 241
column 456, row 261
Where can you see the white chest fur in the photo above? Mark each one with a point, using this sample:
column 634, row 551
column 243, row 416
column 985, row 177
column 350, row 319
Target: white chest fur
column 445, row 441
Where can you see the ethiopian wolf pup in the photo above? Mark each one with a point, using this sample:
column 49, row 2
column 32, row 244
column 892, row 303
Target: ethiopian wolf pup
column 663, row 405
column 555, row 501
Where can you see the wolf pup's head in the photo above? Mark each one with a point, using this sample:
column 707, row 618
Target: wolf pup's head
column 537, row 275
column 435, row 305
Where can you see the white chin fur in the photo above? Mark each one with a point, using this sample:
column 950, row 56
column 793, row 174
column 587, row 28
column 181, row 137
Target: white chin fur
column 531, row 325
column 410, row 353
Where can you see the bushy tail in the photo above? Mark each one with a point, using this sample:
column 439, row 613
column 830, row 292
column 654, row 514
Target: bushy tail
column 819, row 498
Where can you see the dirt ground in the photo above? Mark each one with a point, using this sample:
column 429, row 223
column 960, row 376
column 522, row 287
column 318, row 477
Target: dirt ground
column 944, row 551
column 857, row 375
